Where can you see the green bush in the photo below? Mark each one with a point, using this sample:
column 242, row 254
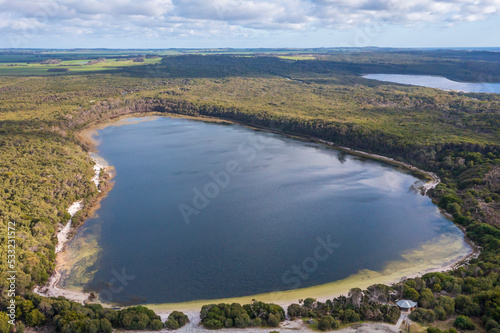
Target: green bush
column 351, row 316
column 136, row 318
column 256, row 322
column 176, row 320
column 229, row 323
column 490, row 324
column 411, row 294
column 273, row 320
column 440, row 313
column 105, row 326
column 35, row 318
column 215, row 316
column 156, row 325
column 426, row 297
column 436, row 288
column 423, row 316
column 242, row 320
column 5, row 327
column 20, row 327
column 172, row 324
column 295, row 310
column 213, row 324
column 433, row 330
column 309, row 302
column 448, row 199
column 464, row 323
column 325, row 323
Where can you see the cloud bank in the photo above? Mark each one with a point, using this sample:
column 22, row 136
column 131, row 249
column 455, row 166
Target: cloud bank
column 150, row 19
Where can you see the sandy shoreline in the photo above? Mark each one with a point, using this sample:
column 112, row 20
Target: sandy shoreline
column 283, row 298
column 63, row 235
column 50, row 289
column 409, row 267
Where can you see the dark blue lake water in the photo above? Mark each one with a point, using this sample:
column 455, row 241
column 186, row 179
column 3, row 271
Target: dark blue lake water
column 273, row 197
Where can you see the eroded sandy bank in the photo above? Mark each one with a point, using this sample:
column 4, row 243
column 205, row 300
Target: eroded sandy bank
column 50, row 289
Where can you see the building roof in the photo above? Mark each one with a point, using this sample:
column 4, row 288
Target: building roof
column 406, row 304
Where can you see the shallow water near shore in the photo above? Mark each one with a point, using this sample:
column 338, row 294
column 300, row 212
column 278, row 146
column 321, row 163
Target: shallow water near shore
column 208, row 211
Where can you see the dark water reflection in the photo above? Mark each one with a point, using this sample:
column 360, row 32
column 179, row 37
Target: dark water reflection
column 267, row 219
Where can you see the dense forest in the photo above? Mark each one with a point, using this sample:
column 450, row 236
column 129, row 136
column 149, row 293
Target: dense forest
column 44, row 167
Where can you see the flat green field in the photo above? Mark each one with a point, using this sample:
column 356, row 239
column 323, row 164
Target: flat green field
column 73, row 66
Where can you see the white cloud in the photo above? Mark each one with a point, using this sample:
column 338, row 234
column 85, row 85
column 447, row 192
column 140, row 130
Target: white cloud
column 160, row 18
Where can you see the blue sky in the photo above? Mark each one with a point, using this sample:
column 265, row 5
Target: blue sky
column 244, row 23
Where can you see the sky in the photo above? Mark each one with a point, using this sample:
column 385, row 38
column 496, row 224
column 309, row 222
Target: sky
column 248, row 23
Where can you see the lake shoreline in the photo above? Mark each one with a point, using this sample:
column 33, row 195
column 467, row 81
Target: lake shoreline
column 64, row 235
column 436, row 82
column 67, row 232
column 362, row 279
column 86, row 137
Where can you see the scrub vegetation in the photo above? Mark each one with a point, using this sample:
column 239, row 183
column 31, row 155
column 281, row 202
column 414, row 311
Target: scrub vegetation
column 368, row 305
column 44, row 167
column 71, row 317
column 215, row 316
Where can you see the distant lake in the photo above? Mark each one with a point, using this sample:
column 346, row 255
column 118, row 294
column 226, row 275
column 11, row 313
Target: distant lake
column 436, row 82
column 267, row 203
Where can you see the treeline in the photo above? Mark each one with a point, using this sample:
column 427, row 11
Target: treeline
column 37, row 199
column 216, row 316
column 96, row 61
column 481, row 67
column 368, row 305
column 470, row 291
column 70, row 317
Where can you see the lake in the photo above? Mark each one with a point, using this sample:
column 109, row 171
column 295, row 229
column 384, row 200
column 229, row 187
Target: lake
column 207, row 211
column 436, row 82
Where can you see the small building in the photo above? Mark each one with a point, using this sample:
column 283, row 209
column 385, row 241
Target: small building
column 406, row 305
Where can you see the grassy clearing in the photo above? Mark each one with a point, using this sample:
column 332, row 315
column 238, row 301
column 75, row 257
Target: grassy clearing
column 297, row 57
